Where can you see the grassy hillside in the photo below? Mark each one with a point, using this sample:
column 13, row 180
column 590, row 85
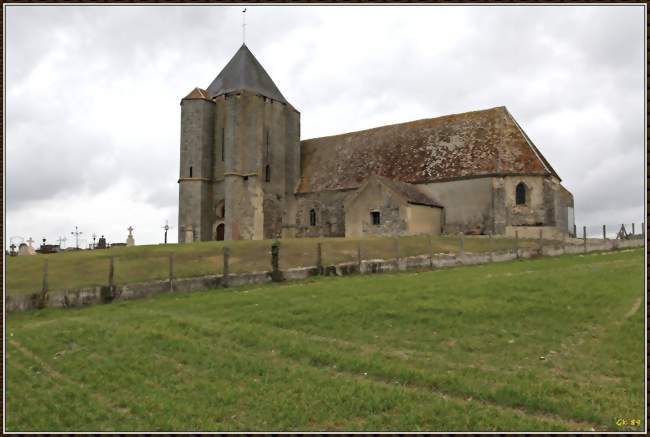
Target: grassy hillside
column 546, row 344
column 145, row 263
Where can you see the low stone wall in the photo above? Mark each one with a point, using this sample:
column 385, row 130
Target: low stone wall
column 532, row 232
column 104, row 294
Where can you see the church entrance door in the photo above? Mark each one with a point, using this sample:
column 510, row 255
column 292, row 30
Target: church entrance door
column 220, row 232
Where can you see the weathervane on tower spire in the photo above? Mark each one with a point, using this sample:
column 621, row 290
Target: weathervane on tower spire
column 243, row 26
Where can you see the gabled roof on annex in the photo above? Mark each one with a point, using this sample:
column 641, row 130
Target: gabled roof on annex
column 409, row 192
column 471, row 144
column 244, row 72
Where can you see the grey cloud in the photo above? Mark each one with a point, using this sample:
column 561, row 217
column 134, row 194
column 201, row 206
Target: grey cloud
column 93, row 92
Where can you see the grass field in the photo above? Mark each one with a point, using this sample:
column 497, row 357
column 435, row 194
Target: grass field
column 147, row 263
column 547, row 344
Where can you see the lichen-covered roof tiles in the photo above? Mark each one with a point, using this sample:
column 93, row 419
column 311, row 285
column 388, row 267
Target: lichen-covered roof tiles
column 410, row 192
column 487, row 142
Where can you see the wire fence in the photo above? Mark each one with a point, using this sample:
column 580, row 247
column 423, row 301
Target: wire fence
column 128, row 265
column 612, row 230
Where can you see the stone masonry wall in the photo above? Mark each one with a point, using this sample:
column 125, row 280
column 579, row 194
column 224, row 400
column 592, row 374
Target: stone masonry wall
column 533, row 213
column 257, row 132
column 197, row 132
column 467, row 204
column 330, row 214
column 376, row 197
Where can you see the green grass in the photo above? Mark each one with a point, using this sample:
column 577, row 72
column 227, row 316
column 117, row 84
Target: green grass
column 447, row 350
column 147, row 263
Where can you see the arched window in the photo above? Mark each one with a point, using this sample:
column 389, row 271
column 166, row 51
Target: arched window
column 190, row 171
column 312, row 217
column 267, row 173
column 220, row 232
column 520, row 193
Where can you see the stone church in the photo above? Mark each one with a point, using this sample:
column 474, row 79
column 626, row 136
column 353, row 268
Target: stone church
column 245, row 173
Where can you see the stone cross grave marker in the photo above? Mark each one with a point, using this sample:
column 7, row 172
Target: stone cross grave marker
column 130, row 241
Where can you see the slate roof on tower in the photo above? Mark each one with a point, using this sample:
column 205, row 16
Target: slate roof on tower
column 472, row 144
column 244, row 72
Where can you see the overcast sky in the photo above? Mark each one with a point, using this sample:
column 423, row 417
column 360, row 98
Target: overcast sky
column 93, row 93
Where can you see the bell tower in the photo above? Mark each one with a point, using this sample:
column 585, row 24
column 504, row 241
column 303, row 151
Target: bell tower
column 245, row 137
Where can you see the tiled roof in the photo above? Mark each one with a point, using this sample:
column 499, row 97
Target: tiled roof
column 197, row 94
column 487, row 142
column 410, row 192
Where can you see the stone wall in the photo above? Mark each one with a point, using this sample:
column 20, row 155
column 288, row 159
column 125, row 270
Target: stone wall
column 467, row 204
column 98, row 295
column 375, row 197
column 249, row 136
column 424, row 219
column 330, row 214
column 563, row 204
column 534, row 211
column 532, row 232
column 547, row 203
column 195, row 173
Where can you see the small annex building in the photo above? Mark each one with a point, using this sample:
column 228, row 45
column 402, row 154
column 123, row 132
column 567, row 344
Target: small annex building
column 382, row 206
column 246, row 174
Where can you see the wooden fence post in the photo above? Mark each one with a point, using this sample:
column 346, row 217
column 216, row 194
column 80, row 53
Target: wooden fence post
column 319, row 258
column 111, row 273
column 42, row 301
column 430, row 250
column 517, row 244
column 490, row 249
column 584, row 239
column 359, row 255
column 397, row 247
column 45, row 284
column 276, row 274
column 226, row 266
column 108, row 293
column 462, row 244
column 171, row 272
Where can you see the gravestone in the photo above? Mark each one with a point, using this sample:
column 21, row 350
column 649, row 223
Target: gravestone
column 101, row 243
column 49, row 248
column 24, row 249
column 130, row 241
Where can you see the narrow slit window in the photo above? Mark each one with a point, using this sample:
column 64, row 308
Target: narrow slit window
column 312, row 217
column 520, row 193
column 223, row 144
column 267, row 173
column 268, row 142
column 190, row 171
column 376, row 218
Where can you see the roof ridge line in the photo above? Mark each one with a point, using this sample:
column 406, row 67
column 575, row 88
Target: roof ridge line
column 403, row 123
column 534, row 148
